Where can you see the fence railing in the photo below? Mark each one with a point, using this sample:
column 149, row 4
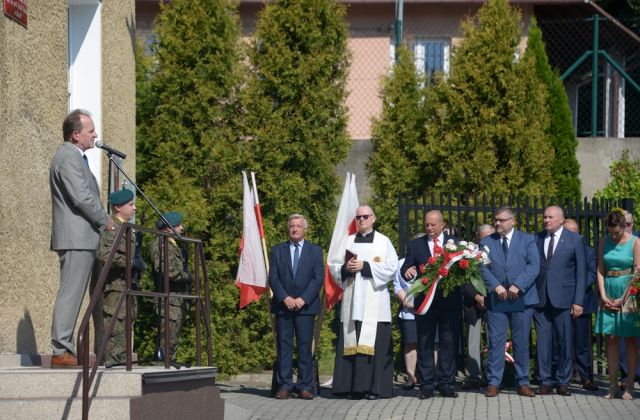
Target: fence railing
column 202, row 308
column 463, row 214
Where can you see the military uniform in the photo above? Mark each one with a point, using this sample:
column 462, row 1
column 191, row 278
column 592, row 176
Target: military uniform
column 179, row 282
column 114, row 286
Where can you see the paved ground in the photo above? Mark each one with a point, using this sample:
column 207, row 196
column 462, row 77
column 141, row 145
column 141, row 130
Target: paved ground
column 253, row 402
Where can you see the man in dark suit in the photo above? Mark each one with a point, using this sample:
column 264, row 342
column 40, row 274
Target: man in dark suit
column 582, row 346
column 510, row 280
column 296, row 273
column 473, row 314
column 78, row 217
column 561, row 289
column 443, row 315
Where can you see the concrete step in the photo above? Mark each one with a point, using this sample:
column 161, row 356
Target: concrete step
column 143, row 393
column 40, row 383
column 61, row 408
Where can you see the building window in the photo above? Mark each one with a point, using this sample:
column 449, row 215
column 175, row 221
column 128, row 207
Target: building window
column 431, row 55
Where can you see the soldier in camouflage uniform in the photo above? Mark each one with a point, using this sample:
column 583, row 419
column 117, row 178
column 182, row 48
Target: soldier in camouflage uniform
column 123, row 209
column 179, row 280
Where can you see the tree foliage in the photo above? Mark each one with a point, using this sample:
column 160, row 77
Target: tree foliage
column 565, row 167
column 401, row 126
column 295, row 122
column 487, row 131
column 190, row 156
column 624, row 182
column 296, row 117
column 206, row 111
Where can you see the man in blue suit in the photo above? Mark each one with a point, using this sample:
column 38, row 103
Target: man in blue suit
column 582, row 346
column 296, row 272
column 561, row 288
column 510, row 280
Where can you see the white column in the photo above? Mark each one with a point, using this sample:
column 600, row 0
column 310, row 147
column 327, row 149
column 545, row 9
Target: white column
column 85, row 66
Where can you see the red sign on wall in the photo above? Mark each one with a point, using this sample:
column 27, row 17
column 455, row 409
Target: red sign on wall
column 16, row 10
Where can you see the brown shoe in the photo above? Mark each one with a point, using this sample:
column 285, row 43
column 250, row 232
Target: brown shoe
column 283, row 394
column 69, row 361
column 563, row 391
column 545, row 390
column 525, row 391
column 66, row 360
column 590, row 386
column 491, row 391
column 305, row 395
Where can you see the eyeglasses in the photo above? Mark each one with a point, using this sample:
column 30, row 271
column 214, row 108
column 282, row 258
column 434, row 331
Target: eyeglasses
column 503, row 220
column 363, row 216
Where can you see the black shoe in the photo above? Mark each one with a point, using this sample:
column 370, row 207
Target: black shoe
column 425, row 395
column 448, row 392
column 356, row 396
column 470, row 383
column 372, row 397
column 409, row 384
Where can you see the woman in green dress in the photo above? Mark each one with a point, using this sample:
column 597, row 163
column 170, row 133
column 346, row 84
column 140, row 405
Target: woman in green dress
column 618, row 259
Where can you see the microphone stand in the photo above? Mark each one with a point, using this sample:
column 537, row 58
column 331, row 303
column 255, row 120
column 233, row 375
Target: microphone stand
column 147, row 199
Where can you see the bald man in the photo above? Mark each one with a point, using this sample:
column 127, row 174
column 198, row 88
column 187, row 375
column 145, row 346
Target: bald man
column 442, row 318
column 561, row 288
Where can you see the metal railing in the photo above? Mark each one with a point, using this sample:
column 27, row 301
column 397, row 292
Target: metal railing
column 463, row 214
column 202, row 308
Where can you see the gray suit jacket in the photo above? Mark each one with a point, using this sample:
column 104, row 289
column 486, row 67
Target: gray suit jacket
column 77, row 212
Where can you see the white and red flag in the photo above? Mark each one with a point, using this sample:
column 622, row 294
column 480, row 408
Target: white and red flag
column 252, row 271
column 345, row 226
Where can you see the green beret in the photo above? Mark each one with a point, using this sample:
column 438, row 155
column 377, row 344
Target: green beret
column 173, row 217
column 121, row 197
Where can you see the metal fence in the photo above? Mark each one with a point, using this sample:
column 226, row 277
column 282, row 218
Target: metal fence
column 432, row 36
column 463, row 214
column 599, row 61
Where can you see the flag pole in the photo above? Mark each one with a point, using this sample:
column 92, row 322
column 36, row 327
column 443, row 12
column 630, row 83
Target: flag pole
column 260, row 225
column 272, row 316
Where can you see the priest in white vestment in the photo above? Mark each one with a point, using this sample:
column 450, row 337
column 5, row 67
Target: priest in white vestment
column 364, row 356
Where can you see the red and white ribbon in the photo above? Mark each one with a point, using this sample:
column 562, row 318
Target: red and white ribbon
column 428, row 300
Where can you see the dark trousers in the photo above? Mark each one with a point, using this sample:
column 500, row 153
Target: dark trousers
column 446, row 322
column 301, row 326
column 582, row 347
column 554, row 322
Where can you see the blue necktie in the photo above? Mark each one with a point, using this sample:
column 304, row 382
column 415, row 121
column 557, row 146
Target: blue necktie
column 86, row 161
column 505, row 247
column 296, row 258
column 550, row 248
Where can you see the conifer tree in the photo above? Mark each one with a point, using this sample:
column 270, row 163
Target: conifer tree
column 624, row 182
column 565, row 167
column 296, row 117
column 402, row 124
column 487, row 131
column 189, row 160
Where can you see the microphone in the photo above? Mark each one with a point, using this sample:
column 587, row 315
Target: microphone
column 110, row 150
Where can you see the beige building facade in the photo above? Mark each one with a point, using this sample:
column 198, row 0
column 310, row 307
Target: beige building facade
column 71, row 54
column 430, row 28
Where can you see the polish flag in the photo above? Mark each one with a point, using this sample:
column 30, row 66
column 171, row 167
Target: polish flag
column 252, row 271
column 345, row 226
